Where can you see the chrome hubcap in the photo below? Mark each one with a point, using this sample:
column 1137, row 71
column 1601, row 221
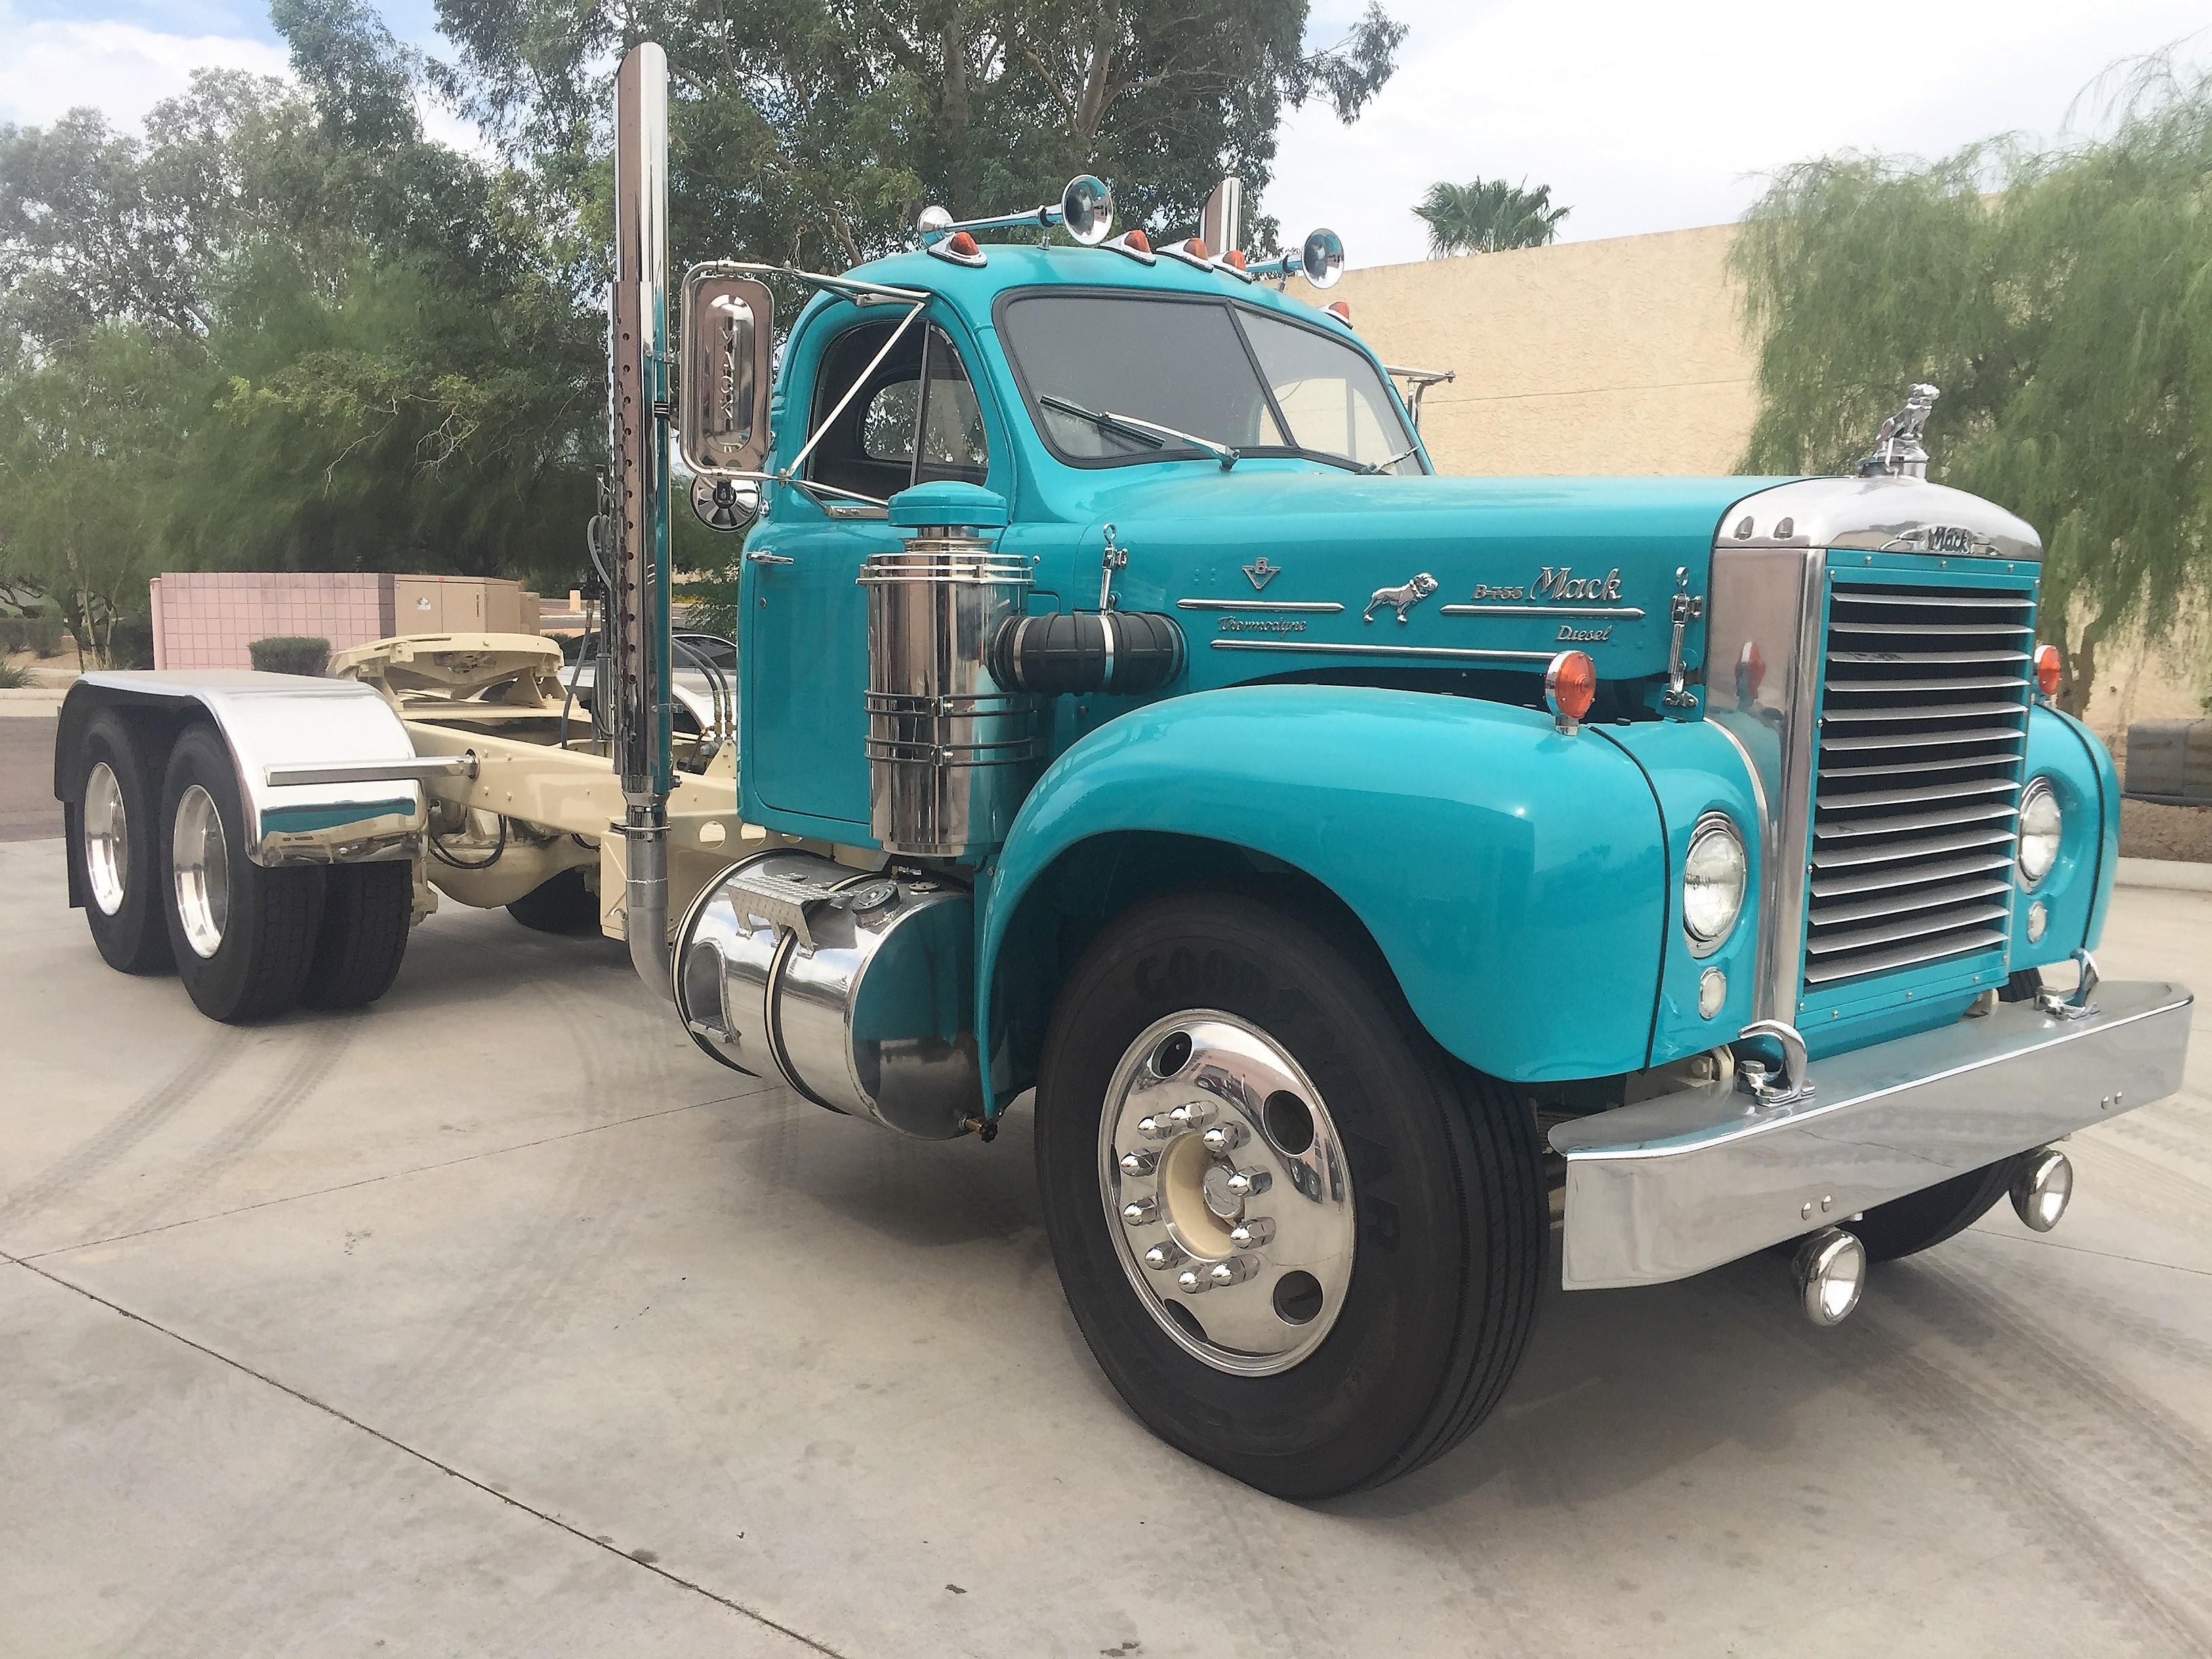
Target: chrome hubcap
column 201, row 863
column 1226, row 1193
column 106, row 838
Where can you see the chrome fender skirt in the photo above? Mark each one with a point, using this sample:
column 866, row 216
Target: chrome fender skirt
column 1672, row 1186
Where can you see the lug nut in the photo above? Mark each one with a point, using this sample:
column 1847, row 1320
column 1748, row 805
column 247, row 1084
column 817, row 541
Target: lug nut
column 1251, row 1235
column 1235, row 1271
column 1191, row 1113
column 1164, row 1256
column 1226, row 1137
column 1249, row 1183
column 1191, row 1281
column 1138, row 1212
column 1154, row 1128
column 1139, row 1162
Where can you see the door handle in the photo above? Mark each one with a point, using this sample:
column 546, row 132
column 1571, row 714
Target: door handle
column 762, row 556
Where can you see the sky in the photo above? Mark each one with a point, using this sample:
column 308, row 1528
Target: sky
column 1641, row 117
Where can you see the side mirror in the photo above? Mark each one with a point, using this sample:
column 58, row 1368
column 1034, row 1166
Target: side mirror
column 726, row 374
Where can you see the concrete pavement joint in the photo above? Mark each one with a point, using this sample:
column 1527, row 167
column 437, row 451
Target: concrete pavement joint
column 2084, row 1250
column 389, row 1175
column 399, row 1445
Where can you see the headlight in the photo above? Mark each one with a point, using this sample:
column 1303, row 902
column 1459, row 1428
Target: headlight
column 2040, row 824
column 1713, row 877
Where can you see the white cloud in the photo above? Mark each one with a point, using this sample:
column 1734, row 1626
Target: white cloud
column 1646, row 117
column 53, row 65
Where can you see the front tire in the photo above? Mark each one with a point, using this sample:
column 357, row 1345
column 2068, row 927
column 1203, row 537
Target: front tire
column 118, row 847
column 243, row 936
column 1920, row 1221
column 1302, row 1370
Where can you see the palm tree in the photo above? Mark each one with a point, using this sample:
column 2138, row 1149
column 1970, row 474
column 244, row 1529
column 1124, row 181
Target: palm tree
column 1487, row 216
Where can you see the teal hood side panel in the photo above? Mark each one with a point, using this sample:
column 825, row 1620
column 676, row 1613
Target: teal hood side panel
column 1694, row 771
column 2078, row 888
column 1514, row 877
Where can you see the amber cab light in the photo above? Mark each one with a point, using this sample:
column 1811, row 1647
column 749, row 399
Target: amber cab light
column 1139, row 240
column 2046, row 670
column 1234, row 257
column 1569, row 688
column 1343, row 313
column 1196, row 248
column 962, row 244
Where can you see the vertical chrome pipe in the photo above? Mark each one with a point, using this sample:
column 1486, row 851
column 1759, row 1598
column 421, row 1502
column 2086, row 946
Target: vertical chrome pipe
column 637, row 394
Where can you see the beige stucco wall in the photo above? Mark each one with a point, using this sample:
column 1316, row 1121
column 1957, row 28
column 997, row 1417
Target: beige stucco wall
column 1625, row 355
column 1622, row 356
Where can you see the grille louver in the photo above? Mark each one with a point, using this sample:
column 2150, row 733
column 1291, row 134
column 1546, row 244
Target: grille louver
column 1918, row 777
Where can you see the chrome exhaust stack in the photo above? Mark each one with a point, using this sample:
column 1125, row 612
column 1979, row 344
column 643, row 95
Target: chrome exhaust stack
column 2042, row 1188
column 637, row 434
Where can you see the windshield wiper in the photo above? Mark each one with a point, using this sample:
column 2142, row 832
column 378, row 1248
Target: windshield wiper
column 1149, row 432
column 1373, row 467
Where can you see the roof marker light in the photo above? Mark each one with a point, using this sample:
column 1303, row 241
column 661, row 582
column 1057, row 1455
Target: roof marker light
column 1342, row 312
column 959, row 248
column 1134, row 244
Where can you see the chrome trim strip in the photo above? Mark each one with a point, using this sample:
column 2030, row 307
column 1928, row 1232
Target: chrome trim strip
column 1451, row 653
column 1308, row 606
column 1760, row 977
column 1875, row 515
column 1671, row 1187
column 1626, row 612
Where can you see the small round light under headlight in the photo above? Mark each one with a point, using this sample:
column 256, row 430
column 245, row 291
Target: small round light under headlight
column 1712, row 991
column 2038, row 921
column 2040, row 824
column 1713, row 877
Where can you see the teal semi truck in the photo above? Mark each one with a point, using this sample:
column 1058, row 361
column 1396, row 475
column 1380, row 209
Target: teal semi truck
column 1361, row 875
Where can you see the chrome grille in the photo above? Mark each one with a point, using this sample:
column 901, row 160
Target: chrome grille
column 1923, row 724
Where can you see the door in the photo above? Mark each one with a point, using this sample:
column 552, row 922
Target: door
column 914, row 419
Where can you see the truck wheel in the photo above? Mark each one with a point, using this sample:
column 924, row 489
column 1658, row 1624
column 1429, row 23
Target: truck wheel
column 1921, row 1220
column 1302, row 1242
column 118, row 849
column 242, row 935
column 560, row 905
column 367, row 911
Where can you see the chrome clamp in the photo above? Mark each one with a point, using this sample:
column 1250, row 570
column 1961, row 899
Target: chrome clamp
column 1686, row 609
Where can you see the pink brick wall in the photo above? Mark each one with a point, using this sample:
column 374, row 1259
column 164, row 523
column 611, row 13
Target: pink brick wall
column 207, row 619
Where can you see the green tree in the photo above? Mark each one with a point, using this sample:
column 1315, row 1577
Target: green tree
column 1487, row 216
column 87, row 446
column 816, row 130
column 2062, row 300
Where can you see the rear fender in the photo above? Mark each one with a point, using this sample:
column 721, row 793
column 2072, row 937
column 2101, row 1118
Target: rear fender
column 1514, row 879
column 271, row 719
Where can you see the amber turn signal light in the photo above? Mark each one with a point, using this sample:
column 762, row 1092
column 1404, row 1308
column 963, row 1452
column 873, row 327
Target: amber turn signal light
column 1569, row 688
column 2046, row 670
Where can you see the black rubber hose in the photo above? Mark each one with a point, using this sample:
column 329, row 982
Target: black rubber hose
column 1126, row 653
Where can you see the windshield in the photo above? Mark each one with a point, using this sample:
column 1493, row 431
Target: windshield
column 1229, row 373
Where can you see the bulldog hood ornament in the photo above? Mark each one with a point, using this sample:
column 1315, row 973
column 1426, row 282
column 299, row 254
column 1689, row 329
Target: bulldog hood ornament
column 1898, row 450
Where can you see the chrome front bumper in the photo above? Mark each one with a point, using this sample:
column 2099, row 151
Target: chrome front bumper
column 1671, row 1187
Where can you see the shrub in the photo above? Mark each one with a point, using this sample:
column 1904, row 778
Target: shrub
column 40, row 634
column 131, row 642
column 291, row 653
column 12, row 677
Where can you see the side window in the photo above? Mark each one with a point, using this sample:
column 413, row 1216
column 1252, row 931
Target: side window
column 916, row 418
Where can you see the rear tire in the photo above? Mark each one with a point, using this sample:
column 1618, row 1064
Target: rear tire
column 367, row 911
column 242, row 936
column 1920, row 1221
column 1440, row 1165
column 561, row 905
column 117, row 848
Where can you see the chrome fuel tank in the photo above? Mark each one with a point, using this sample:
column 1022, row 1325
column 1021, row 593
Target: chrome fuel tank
column 856, row 989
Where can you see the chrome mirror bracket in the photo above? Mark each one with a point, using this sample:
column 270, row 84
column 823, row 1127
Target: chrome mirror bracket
column 1783, row 1085
column 2075, row 1004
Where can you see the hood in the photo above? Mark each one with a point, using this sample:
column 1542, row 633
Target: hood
column 1274, row 567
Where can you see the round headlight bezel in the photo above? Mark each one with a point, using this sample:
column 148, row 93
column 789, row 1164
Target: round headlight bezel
column 1714, row 831
column 2037, row 795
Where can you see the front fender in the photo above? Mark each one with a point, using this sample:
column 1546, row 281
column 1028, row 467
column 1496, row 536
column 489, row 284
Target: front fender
column 1515, row 878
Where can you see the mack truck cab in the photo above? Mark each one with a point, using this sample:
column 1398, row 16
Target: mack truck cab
column 1360, row 874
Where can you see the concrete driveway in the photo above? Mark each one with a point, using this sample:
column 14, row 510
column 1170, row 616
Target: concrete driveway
column 495, row 1319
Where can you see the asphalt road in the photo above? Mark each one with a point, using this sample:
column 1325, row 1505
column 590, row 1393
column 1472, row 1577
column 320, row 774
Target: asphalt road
column 495, row 1320
column 28, row 807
